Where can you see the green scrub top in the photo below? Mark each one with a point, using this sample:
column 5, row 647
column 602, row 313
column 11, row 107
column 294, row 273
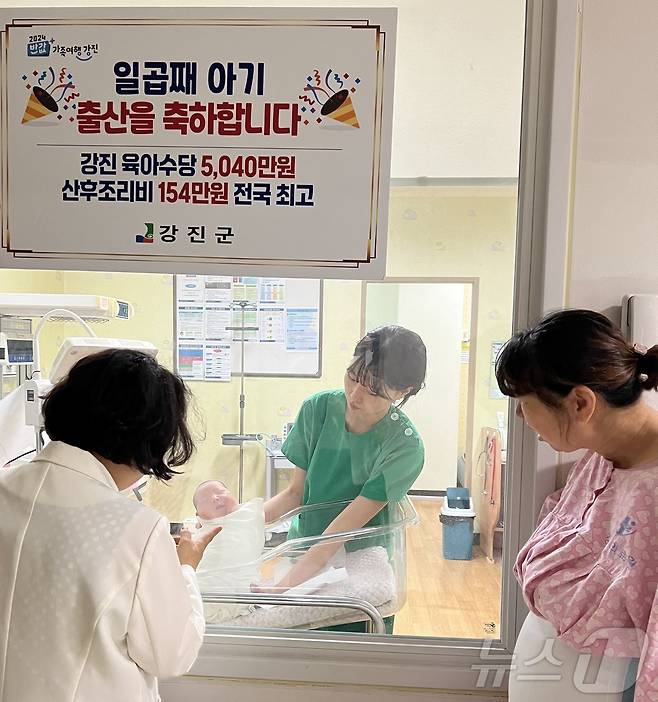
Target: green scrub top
column 380, row 464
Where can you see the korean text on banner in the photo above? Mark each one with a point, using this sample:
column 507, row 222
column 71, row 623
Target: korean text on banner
column 256, row 142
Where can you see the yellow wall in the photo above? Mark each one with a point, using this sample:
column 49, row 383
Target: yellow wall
column 434, row 232
column 31, row 282
column 462, row 232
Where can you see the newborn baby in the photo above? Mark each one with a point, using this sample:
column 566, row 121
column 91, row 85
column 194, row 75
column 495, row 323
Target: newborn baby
column 212, row 499
column 231, row 564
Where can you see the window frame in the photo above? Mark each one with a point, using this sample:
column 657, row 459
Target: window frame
column 540, row 275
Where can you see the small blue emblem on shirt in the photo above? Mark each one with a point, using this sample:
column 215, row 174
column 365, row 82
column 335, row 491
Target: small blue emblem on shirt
column 626, row 527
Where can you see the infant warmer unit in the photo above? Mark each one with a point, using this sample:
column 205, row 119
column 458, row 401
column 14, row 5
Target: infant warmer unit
column 457, row 517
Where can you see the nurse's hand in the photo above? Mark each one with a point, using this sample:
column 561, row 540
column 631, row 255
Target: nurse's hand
column 190, row 551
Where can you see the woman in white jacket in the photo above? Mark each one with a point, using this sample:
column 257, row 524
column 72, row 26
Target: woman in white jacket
column 96, row 600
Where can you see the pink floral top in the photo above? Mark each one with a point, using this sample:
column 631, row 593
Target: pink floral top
column 591, row 566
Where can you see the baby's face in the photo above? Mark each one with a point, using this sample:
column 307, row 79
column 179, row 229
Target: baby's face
column 214, row 500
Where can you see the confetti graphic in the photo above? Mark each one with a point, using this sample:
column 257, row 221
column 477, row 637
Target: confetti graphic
column 45, row 99
column 333, row 96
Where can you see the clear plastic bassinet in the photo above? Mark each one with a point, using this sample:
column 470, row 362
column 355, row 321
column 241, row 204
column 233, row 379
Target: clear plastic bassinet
column 365, row 580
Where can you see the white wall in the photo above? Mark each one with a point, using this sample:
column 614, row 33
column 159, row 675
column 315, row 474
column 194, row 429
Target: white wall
column 614, row 246
column 457, row 85
column 436, row 313
column 603, row 205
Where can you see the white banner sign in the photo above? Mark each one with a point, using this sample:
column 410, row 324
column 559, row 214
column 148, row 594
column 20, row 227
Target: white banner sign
column 254, row 141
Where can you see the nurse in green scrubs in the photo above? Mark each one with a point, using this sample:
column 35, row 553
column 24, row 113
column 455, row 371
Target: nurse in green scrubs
column 354, row 444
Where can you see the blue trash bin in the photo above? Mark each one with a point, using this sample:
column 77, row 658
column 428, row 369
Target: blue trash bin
column 457, row 526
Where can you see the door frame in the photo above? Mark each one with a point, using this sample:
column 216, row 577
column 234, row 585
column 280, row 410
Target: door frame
column 474, row 282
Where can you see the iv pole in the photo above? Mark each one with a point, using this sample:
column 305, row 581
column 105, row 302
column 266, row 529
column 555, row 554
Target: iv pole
column 241, row 437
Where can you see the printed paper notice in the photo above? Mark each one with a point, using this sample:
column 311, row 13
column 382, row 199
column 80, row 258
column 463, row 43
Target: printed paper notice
column 245, row 289
column 190, row 361
column 494, row 390
column 273, row 290
column 218, row 361
column 250, row 320
column 272, row 325
column 189, row 288
column 218, row 319
column 302, row 329
column 190, row 322
column 218, row 288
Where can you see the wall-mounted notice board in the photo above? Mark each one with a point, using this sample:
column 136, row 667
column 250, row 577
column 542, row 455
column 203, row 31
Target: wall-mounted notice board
column 285, row 315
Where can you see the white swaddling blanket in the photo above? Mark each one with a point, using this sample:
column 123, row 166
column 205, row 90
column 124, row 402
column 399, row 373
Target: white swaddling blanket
column 231, row 560
column 310, row 586
column 369, row 577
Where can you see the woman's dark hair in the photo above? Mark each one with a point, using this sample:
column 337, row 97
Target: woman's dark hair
column 124, row 406
column 390, row 356
column 576, row 347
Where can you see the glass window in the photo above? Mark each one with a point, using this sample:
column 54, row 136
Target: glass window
column 364, row 478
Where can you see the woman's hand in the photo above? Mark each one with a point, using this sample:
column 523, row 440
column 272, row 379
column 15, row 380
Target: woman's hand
column 190, row 551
